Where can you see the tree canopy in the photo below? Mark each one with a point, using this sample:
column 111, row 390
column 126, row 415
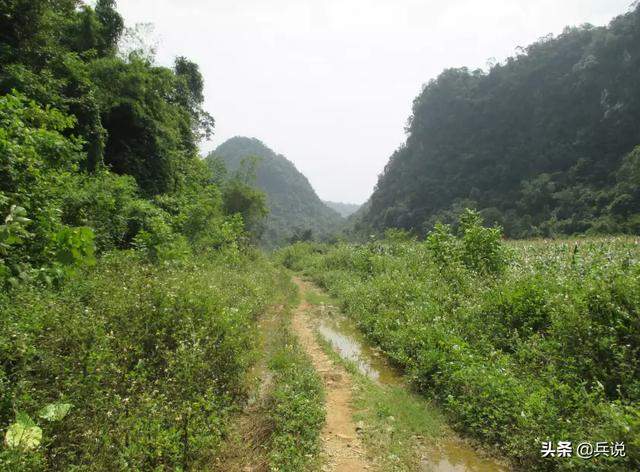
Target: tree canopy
column 99, row 148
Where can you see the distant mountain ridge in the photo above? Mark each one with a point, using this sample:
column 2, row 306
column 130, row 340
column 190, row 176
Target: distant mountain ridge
column 294, row 206
column 345, row 209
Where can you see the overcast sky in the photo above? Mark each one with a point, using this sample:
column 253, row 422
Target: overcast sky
column 329, row 83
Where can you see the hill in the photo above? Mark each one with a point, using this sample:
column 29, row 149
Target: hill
column 345, row 209
column 541, row 144
column 294, row 206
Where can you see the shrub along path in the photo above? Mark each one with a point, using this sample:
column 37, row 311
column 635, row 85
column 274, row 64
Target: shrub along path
column 246, row 448
column 341, row 443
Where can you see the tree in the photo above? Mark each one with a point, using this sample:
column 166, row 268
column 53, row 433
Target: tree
column 112, row 25
column 191, row 96
column 247, row 201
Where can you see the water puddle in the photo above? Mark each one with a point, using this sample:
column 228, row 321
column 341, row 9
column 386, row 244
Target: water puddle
column 453, row 456
column 346, row 340
column 349, row 343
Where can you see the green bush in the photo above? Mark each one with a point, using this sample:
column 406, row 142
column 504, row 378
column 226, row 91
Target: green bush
column 101, row 202
column 476, row 247
column 36, row 162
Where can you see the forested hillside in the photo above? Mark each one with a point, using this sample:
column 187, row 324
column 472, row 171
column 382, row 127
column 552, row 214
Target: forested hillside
column 295, row 211
column 345, row 209
column 542, row 144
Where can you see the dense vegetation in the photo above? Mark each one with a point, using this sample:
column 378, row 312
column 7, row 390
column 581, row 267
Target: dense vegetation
column 96, row 147
column 130, row 288
column 542, row 144
column 129, row 291
column 151, row 358
column 295, row 211
column 522, row 342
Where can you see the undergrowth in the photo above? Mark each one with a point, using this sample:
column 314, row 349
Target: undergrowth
column 150, row 356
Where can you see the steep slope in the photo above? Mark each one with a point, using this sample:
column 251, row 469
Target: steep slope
column 294, row 206
column 345, row 209
column 538, row 143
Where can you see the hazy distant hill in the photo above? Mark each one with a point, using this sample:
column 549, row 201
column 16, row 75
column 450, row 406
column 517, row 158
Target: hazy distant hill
column 541, row 143
column 294, row 205
column 345, row 209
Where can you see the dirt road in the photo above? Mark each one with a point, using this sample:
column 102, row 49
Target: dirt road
column 342, row 446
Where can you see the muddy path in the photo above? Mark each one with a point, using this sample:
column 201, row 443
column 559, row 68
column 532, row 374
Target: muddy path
column 341, row 444
column 432, row 448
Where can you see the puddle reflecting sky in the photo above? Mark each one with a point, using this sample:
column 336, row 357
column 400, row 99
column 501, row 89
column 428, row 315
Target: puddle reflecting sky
column 454, row 456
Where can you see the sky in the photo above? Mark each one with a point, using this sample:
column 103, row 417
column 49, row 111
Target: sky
column 330, row 83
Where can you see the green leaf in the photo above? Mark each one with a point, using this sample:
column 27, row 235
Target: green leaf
column 18, row 211
column 23, row 434
column 55, row 411
column 24, row 419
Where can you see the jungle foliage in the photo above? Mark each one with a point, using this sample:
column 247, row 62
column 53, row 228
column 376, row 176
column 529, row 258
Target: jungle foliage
column 98, row 150
column 542, row 144
column 128, row 290
column 520, row 342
